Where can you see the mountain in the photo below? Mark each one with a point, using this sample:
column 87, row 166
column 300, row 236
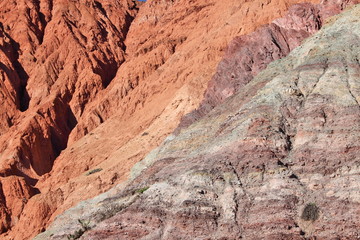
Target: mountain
column 276, row 160
column 89, row 88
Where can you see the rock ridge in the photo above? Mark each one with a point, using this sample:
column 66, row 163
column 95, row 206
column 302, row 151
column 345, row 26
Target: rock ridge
column 278, row 159
column 247, row 55
column 55, row 57
column 102, row 123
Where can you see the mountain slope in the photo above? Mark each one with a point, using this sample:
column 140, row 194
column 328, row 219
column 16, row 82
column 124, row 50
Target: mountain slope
column 247, row 55
column 100, row 84
column 55, row 57
column 278, row 160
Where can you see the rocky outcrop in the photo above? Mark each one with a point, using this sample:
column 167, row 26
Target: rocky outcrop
column 247, row 55
column 172, row 41
column 55, row 57
column 11, row 85
column 102, row 78
column 88, row 82
column 278, row 160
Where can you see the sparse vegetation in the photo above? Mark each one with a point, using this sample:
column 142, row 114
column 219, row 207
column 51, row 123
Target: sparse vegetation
column 141, row 190
column 310, row 212
column 85, row 226
column 94, row 171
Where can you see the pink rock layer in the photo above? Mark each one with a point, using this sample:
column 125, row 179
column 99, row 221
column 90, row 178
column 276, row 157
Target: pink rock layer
column 278, row 160
column 86, row 83
column 247, row 55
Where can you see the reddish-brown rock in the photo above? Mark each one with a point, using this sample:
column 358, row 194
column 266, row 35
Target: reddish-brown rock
column 12, row 85
column 102, row 93
column 55, row 57
column 277, row 160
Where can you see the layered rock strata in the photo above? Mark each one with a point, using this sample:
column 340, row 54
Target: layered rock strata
column 91, row 81
column 247, row 55
column 278, row 160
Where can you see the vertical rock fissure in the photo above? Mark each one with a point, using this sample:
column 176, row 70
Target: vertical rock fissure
column 39, row 32
column 325, row 67
column 23, row 95
column 349, row 86
column 109, row 70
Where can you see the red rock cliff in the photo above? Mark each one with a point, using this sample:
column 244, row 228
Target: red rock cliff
column 97, row 84
column 277, row 160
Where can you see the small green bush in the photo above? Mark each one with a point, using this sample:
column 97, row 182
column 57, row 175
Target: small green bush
column 311, row 212
column 142, row 190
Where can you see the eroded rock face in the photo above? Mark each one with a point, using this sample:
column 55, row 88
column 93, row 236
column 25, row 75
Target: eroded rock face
column 93, row 86
column 97, row 80
column 174, row 45
column 247, row 55
column 55, row 56
column 277, row 160
column 13, row 81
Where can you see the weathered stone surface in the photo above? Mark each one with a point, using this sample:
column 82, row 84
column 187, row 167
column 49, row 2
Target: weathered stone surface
column 247, row 55
column 172, row 50
column 11, row 86
column 95, row 83
column 288, row 141
column 55, row 56
column 99, row 88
